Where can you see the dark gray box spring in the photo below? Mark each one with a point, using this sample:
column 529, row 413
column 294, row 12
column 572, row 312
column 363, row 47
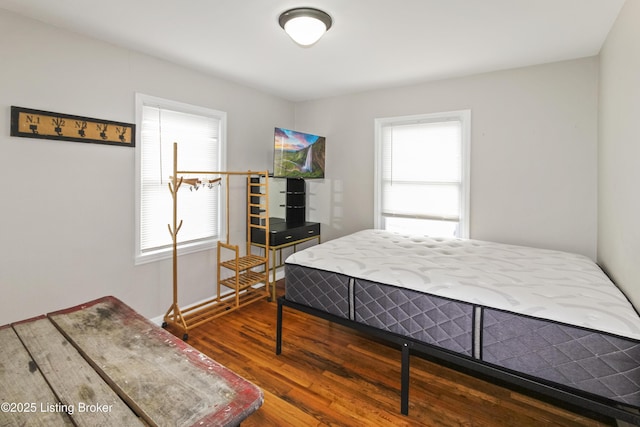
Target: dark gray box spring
column 590, row 361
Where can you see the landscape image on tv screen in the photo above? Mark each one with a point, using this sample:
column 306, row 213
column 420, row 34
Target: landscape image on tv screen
column 298, row 154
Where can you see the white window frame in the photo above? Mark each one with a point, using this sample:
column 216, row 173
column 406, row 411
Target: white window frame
column 464, row 116
column 142, row 100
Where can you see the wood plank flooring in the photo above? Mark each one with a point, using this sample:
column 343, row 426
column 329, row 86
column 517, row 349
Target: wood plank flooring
column 329, row 375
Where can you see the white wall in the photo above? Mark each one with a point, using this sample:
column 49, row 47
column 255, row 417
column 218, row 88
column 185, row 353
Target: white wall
column 533, row 152
column 67, row 213
column 619, row 153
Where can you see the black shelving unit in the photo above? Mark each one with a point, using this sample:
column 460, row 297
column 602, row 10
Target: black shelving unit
column 287, row 232
column 295, row 201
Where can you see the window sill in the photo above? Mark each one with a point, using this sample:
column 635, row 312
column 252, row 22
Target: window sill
column 167, row 253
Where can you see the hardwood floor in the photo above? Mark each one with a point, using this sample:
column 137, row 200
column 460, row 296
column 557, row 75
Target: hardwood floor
column 329, row 375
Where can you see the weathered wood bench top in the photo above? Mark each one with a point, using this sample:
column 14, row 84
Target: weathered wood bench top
column 101, row 363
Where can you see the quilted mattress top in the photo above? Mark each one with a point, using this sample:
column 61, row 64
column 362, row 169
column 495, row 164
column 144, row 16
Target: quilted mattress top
column 547, row 284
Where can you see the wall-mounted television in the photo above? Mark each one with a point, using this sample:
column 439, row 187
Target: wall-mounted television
column 298, row 154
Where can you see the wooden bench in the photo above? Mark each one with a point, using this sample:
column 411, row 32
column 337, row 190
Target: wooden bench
column 101, row 363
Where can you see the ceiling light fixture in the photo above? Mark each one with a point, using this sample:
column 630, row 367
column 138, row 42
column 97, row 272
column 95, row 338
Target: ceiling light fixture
column 305, row 25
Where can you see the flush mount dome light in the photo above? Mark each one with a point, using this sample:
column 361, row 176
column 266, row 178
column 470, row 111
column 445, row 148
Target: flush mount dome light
column 305, row 25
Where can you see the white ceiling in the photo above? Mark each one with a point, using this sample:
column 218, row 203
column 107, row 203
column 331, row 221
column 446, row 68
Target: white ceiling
column 372, row 44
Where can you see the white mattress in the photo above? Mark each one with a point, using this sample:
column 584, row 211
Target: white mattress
column 546, row 284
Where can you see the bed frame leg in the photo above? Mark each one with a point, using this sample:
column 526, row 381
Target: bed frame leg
column 279, row 328
column 404, row 380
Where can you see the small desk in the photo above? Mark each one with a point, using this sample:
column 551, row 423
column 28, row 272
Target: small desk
column 101, row 363
column 284, row 235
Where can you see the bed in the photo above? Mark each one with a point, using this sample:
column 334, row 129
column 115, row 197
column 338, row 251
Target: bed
column 547, row 321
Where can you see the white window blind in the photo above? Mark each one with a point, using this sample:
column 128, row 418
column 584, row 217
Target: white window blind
column 200, row 136
column 422, row 174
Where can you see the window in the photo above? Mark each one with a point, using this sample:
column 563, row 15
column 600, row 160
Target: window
column 200, row 134
column 422, row 174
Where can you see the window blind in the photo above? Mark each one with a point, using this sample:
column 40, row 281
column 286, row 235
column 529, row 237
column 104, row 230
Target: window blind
column 198, row 138
column 422, row 175
column 421, row 169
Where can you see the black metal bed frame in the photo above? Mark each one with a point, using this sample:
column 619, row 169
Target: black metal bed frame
column 591, row 405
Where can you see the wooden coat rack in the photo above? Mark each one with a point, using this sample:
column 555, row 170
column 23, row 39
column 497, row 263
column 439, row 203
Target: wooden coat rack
column 249, row 281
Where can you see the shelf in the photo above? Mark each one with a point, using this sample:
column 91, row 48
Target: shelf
column 247, row 270
column 245, row 280
column 244, row 263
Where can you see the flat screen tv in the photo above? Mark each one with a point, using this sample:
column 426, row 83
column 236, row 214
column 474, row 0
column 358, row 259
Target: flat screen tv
column 298, row 154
